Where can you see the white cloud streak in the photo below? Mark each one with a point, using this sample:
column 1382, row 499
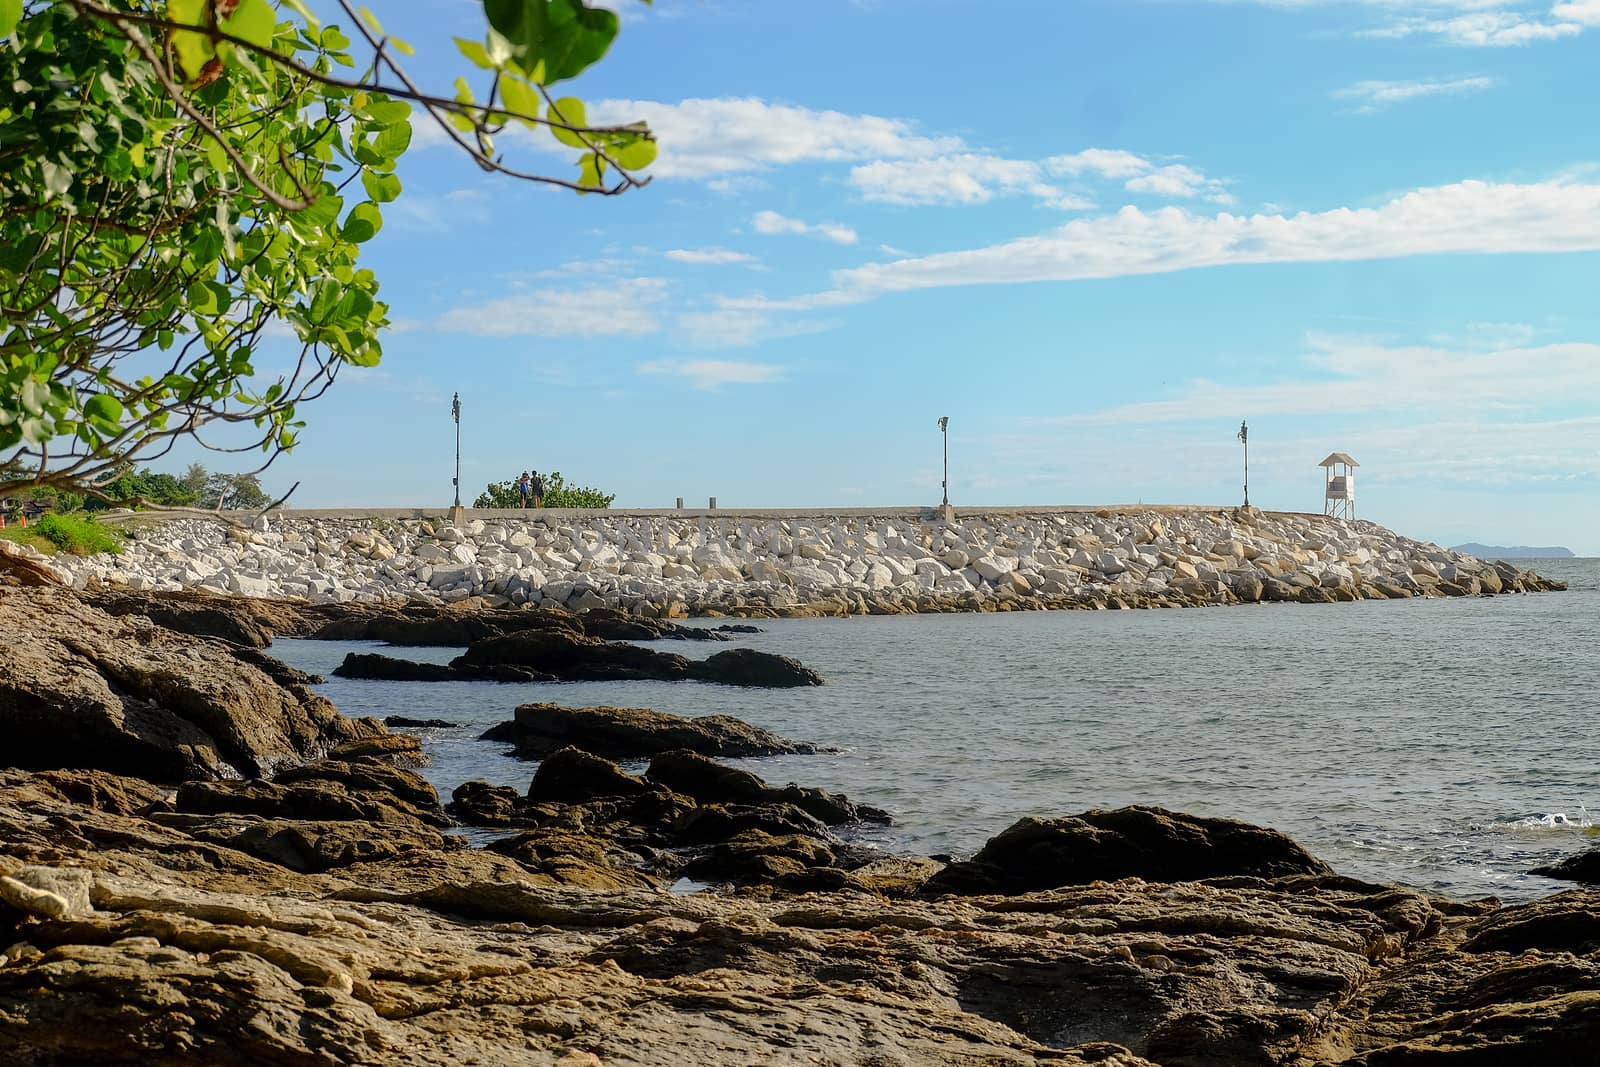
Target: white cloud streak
column 1467, row 217
column 712, row 374
column 705, row 138
column 1357, row 376
column 625, row 308
column 710, row 256
column 771, row 223
column 1368, row 97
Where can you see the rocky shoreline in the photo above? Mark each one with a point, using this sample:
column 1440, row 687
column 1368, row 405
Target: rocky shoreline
column 665, row 567
column 203, row 862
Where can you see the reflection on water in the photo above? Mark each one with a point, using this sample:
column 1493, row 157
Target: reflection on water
column 1440, row 744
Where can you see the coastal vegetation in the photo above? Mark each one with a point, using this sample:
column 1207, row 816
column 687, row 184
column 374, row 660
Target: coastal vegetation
column 557, row 494
column 217, row 170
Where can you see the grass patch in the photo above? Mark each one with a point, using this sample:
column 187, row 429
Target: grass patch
column 77, row 534
column 30, row 537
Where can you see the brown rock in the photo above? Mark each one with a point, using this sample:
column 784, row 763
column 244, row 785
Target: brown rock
column 632, row 733
column 80, row 688
column 1134, row 842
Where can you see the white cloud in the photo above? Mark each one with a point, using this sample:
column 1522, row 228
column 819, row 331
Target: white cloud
column 1371, row 96
column 711, row 374
column 732, row 327
column 1586, row 12
column 1111, row 163
column 968, row 178
column 1360, row 376
column 709, row 256
column 1467, row 217
column 1178, row 182
column 1174, row 181
column 624, row 308
column 1471, row 23
column 1481, row 29
column 704, row 138
column 770, row 222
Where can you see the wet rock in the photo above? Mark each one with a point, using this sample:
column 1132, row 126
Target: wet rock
column 633, row 733
column 572, row 657
column 482, row 804
column 1134, row 842
column 748, row 667
column 1582, row 867
column 571, row 775
column 83, row 689
column 401, row 722
column 710, row 782
column 377, row 667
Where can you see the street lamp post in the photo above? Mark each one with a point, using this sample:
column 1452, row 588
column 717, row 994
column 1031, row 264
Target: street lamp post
column 944, row 430
column 1244, row 439
column 455, row 413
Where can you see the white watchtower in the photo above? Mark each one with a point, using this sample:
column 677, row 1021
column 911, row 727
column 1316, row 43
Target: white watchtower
column 1339, row 485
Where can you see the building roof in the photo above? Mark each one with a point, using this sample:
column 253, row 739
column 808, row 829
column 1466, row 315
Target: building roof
column 1339, row 457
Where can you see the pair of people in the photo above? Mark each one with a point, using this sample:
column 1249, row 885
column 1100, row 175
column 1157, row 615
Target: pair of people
column 531, row 489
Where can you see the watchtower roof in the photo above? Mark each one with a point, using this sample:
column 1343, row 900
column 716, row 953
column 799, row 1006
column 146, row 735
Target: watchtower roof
column 1339, row 457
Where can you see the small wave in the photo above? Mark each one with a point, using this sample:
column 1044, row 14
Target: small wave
column 1555, row 820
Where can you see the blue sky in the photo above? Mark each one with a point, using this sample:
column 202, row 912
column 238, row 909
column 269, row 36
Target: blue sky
column 1094, row 233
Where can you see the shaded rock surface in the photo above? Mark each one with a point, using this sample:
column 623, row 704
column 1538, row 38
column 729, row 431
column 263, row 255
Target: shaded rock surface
column 133, row 941
column 1581, row 867
column 563, row 655
column 134, row 697
column 635, row 733
column 709, row 782
column 648, row 825
column 242, row 620
column 1133, row 842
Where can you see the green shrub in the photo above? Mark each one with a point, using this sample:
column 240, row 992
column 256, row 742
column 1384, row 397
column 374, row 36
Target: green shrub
column 78, row 534
column 557, row 494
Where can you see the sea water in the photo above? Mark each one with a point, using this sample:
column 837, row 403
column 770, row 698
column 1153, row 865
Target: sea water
column 1440, row 744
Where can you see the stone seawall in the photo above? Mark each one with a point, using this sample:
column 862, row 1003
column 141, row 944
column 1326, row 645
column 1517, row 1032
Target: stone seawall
column 672, row 565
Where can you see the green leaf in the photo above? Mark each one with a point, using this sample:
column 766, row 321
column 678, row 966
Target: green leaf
column 520, row 98
column 388, row 112
column 363, row 223
column 591, row 171
column 635, row 154
column 371, row 20
column 552, row 40
column 194, row 49
column 103, row 408
column 10, row 15
column 253, row 21
column 475, row 53
column 320, row 212
column 392, row 141
column 381, row 187
column 570, row 110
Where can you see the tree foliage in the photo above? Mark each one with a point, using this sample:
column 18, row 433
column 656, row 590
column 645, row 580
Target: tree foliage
column 178, row 175
column 557, row 494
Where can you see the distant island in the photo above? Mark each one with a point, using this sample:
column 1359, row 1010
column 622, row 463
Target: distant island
column 1514, row 551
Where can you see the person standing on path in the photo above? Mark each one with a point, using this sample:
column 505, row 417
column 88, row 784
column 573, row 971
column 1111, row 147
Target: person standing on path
column 536, row 488
column 524, row 486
